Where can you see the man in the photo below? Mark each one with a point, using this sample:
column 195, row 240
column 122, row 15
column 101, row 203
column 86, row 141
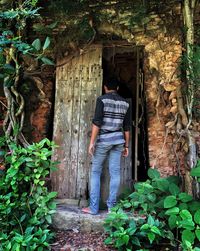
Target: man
column 109, row 138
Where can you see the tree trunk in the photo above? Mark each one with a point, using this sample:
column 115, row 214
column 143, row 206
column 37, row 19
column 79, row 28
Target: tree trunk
column 188, row 13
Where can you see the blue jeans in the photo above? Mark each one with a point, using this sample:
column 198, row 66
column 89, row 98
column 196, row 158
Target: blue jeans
column 113, row 152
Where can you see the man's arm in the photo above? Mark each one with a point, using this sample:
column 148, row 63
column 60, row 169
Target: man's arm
column 126, row 146
column 127, row 138
column 127, row 126
column 95, row 131
column 96, row 124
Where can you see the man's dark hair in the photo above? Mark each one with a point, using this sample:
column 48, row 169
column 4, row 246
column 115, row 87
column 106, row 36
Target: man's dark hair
column 112, row 84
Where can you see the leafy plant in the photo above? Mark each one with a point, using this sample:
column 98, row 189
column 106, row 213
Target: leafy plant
column 26, row 206
column 195, row 172
column 14, row 50
column 156, row 212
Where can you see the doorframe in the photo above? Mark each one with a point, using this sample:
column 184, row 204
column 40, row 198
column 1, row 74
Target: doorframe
column 139, row 78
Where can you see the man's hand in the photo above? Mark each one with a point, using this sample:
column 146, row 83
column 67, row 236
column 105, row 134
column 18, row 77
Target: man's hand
column 125, row 152
column 91, row 149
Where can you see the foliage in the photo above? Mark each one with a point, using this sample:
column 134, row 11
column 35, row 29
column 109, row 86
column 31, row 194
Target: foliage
column 164, row 215
column 11, row 39
column 26, row 206
column 14, row 49
column 195, row 172
column 82, row 19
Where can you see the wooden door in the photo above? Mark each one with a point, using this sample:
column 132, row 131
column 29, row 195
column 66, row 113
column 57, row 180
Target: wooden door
column 78, row 84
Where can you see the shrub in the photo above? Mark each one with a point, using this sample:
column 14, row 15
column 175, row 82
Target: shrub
column 26, row 206
column 165, row 215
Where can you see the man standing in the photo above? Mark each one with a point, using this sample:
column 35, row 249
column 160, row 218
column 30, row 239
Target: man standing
column 110, row 138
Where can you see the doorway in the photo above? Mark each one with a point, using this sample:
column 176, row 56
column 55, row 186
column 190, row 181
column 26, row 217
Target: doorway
column 78, row 84
column 126, row 64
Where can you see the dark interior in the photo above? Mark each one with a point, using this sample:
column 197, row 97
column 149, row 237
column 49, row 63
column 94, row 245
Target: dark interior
column 121, row 63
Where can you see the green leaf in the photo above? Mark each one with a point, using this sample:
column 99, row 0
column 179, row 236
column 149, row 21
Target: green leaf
column 9, row 69
column 194, row 206
column 184, row 197
column 151, row 197
column 188, row 235
column 153, row 173
column 52, row 205
column 108, row 241
column 132, row 224
column 135, row 241
column 162, row 185
column 52, row 195
column 42, row 182
column 172, row 211
column 195, row 172
column 127, row 205
column 37, row 44
column 48, row 219
column 155, row 230
column 150, row 220
column 172, row 221
column 46, row 43
column 170, row 201
column 47, row 61
column 145, row 227
column 151, row 237
column 16, row 247
column 131, row 231
column 183, row 206
column 185, row 215
column 22, row 218
column 173, row 180
column 125, row 239
column 187, row 224
column 160, row 204
column 197, row 232
column 37, row 175
column 43, row 238
column 174, row 189
column 197, row 217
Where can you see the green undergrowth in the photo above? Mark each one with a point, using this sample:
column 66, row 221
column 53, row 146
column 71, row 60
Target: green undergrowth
column 26, row 205
column 166, row 217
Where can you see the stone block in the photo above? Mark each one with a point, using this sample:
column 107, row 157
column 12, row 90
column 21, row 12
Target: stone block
column 71, row 218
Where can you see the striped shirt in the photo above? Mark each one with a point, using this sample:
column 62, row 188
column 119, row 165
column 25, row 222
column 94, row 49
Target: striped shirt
column 112, row 116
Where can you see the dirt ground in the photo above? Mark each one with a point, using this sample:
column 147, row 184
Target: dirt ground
column 74, row 241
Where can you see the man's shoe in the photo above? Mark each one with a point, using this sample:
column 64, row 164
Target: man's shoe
column 87, row 210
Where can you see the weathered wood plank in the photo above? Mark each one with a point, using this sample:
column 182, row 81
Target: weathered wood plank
column 91, row 85
column 63, row 112
column 76, row 90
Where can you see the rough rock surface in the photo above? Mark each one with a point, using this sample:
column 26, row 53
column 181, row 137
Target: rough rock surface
column 71, row 218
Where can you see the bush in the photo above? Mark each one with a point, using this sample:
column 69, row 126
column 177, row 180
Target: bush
column 26, row 206
column 165, row 215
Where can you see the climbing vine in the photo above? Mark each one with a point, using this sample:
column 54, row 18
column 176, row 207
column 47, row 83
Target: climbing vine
column 191, row 84
column 14, row 48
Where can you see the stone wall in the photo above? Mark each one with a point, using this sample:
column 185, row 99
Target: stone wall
column 39, row 97
column 161, row 79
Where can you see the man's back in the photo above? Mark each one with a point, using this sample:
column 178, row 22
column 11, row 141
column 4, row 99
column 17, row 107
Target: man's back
column 112, row 117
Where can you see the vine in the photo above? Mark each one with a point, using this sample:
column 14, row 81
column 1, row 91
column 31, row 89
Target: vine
column 14, row 47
